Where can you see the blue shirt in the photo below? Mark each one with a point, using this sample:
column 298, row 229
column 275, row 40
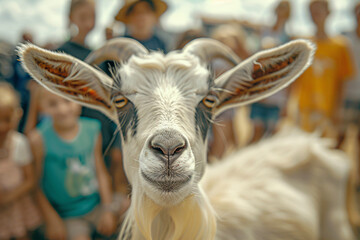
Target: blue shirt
column 153, row 43
column 77, row 50
column 69, row 176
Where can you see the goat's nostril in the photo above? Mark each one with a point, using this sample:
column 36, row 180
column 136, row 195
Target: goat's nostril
column 159, row 149
column 178, row 149
column 168, row 145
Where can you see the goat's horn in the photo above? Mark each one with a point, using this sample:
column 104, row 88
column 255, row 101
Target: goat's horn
column 118, row 49
column 207, row 49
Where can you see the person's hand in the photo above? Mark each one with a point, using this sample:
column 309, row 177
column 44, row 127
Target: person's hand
column 2, row 196
column 125, row 204
column 107, row 224
column 55, row 229
column 5, row 199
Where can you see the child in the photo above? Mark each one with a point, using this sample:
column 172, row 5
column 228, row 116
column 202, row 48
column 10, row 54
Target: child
column 141, row 18
column 223, row 134
column 82, row 18
column 266, row 114
column 18, row 213
column 319, row 89
column 81, row 22
column 73, row 177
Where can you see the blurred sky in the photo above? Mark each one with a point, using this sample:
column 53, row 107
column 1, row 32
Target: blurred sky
column 47, row 19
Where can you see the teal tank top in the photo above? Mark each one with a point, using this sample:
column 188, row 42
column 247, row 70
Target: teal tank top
column 69, row 176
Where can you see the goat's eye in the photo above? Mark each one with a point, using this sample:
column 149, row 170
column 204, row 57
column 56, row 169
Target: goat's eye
column 210, row 101
column 120, row 101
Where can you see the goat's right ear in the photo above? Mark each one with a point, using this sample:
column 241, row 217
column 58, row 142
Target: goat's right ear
column 69, row 77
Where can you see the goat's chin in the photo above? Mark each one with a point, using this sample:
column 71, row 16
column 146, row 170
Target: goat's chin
column 167, row 198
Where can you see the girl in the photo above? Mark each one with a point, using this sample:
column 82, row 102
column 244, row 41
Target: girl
column 18, row 213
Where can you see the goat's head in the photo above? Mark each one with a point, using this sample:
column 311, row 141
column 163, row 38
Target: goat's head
column 164, row 104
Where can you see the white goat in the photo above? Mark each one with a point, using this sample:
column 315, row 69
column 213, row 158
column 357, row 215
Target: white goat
column 289, row 187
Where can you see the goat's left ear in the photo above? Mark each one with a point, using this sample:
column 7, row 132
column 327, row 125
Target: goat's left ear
column 262, row 75
column 69, row 77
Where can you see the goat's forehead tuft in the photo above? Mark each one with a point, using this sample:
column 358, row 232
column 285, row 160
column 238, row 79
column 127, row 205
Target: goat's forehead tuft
column 160, row 61
column 157, row 69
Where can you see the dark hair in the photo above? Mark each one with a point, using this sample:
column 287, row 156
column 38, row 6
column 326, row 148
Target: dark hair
column 357, row 8
column 150, row 2
column 283, row 3
column 75, row 3
column 313, row 2
column 188, row 36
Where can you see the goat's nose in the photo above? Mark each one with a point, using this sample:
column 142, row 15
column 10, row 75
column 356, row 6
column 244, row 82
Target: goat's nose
column 168, row 145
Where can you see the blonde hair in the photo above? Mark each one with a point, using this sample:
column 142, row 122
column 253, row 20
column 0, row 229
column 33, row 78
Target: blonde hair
column 9, row 96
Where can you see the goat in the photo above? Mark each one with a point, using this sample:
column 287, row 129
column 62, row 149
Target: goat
column 288, row 187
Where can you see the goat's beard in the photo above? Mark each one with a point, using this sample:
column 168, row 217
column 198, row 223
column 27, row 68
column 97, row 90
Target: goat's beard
column 192, row 218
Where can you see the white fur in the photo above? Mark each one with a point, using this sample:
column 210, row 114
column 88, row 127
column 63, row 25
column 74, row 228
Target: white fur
column 290, row 187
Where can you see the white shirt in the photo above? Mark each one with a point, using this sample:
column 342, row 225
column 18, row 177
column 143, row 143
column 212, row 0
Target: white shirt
column 21, row 149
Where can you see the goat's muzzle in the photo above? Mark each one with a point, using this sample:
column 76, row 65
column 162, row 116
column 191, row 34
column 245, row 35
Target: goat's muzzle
column 168, row 146
column 168, row 165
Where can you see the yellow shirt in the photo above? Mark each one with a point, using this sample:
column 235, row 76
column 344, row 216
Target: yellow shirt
column 320, row 87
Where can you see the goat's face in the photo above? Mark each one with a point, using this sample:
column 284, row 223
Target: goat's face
column 164, row 104
column 164, row 123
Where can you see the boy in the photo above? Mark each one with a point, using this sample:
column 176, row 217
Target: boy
column 319, row 89
column 74, row 187
column 140, row 18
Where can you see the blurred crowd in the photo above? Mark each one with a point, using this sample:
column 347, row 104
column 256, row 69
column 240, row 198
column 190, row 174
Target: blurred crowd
column 61, row 172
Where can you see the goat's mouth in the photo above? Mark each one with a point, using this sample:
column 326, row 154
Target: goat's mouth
column 167, row 185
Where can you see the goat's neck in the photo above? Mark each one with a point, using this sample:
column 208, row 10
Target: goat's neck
column 193, row 218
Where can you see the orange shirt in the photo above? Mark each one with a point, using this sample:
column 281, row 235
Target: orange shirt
column 320, row 87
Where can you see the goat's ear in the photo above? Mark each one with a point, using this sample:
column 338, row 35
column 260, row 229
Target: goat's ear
column 262, row 75
column 69, row 77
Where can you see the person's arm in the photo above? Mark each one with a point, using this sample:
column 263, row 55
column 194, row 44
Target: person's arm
column 107, row 223
column 346, row 72
column 23, row 157
column 55, row 228
column 102, row 174
column 121, row 184
column 34, row 107
column 117, row 173
column 26, row 186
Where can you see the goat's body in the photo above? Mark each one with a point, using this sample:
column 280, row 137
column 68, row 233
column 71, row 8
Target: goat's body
column 288, row 187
